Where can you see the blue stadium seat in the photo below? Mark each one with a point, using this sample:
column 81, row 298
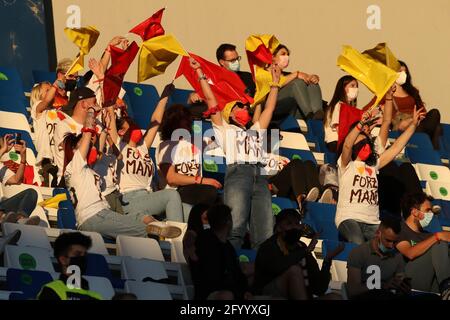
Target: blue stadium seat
column 329, row 245
column 180, row 96
column 434, row 226
column 280, row 203
column 143, row 99
column 316, row 128
column 28, row 282
column 97, row 266
column 297, row 154
column 444, row 216
column 25, row 136
column 290, row 124
column 419, row 140
column 43, row 76
column 246, row 255
column 14, row 103
column 323, row 211
column 10, row 82
column 423, row 156
column 66, row 218
column 323, row 216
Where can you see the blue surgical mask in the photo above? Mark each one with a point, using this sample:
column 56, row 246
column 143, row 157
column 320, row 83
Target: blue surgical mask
column 234, row 66
column 425, row 222
column 383, row 249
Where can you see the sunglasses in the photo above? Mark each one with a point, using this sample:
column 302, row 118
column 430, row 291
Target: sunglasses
column 234, row 60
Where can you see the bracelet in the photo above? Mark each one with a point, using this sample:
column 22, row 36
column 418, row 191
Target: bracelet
column 387, row 99
column 23, row 162
column 436, row 236
column 202, row 77
column 89, row 130
column 196, row 179
column 273, row 85
column 359, row 126
column 108, row 49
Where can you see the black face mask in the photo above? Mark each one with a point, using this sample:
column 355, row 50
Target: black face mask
column 80, row 261
column 71, row 85
column 292, row 236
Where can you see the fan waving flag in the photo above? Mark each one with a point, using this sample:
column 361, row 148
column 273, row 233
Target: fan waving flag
column 259, row 49
column 263, row 80
column 225, row 84
column 347, row 116
column 375, row 75
column 157, row 54
column 151, row 27
column 384, row 55
column 120, row 62
column 85, row 39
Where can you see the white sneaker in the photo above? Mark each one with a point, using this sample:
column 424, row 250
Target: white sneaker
column 313, row 194
column 327, row 196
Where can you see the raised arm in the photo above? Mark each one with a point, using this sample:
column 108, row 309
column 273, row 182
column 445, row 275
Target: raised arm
column 157, row 115
column 389, row 155
column 88, row 131
column 271, row 101
column 106, row 58
column 50, row 95
column 257, row 113
column 17, row 178
column 387, row 117
column 211, row 100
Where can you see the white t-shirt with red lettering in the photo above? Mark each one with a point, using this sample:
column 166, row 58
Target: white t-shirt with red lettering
column 183, row 155
column 358, row 193
column 84, row 185
column 136, row 169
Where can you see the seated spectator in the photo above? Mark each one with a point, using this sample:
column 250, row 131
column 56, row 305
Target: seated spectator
column 179, row 160
column 23, row 203
column 426, row 255
column 221, row 276
column 198, row 221
column 357, row 213
column 380, row 252
column 346, row 92
column 92, row 211
column 70, row 249
column 136, row 169
column 300, row 96
column 285, row 267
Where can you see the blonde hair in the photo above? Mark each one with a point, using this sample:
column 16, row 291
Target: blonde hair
column 36, row 92
column 64, row 65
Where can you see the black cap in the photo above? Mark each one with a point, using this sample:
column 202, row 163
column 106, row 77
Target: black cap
column 76, row 96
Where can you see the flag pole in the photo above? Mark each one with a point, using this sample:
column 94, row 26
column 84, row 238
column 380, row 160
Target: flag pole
column 73, row 64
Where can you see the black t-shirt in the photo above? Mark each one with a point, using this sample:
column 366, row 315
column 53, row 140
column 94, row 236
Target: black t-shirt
column 412, row 237
column 247, row 79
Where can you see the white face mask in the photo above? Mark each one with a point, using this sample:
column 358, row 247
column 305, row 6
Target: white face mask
column 206, row 227
column 283, row 61
column 234, row 66
column 401, row 78
column 425, row 222
column 352, row 94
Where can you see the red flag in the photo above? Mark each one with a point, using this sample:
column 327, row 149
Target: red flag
column 347, row 116
column 151, row 27
column 120, row 62
column 260, row 57
column 225, row 84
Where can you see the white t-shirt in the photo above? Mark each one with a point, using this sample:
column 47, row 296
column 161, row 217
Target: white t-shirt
column 44, row 128
column 97, row 87
column 5, row 174
column 358, row 193
column 68, row 125
column 239, row 145
column 136, row 168
column 106, row 169
column 84, row 185
column 274, row 164
column 331, row 132
column 183, row 155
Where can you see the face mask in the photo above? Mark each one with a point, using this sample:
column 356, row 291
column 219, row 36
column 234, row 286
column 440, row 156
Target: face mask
column 401, row 78
column 206, row 226
column 234, row 66
column 383, row 249
column 283, row 62
column 92, row 156
column 80, row 261
column 292, row 236
column 71, row 85
column 361, row 150
column 352, row 94
column 425, row 222
column 242, row 117
column 136, row 134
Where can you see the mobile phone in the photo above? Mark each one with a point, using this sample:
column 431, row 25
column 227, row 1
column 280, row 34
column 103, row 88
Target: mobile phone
column 18, row 140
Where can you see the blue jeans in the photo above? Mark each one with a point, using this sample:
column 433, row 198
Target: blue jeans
column 23, row 202
column 154, row 203
column 357, row 232
column 246, row 192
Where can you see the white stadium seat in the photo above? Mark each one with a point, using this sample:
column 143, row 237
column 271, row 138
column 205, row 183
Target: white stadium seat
column 139, row 248
column 31, row 236
column 28, row 258
column 148, row 290
column 139, row 269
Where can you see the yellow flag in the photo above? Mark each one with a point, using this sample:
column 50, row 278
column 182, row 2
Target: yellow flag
column 255, row 41
column 157, row 54
column 263, row 80
column 375, row 75
column 53, row 202
column 77, row 65
column 84, row 38
column 384, row 55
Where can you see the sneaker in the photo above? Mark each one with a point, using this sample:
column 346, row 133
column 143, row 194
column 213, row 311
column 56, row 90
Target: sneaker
column 327, row 197
column 12, row 217
column 165, row 231
column 313, row 194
